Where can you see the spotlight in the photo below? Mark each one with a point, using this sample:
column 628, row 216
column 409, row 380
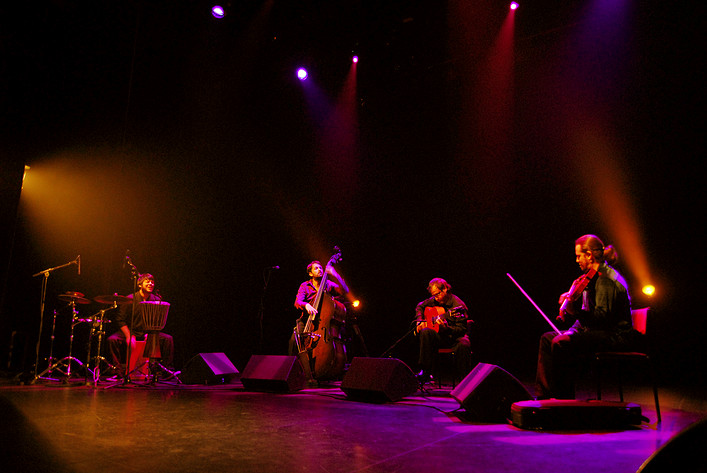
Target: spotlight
column 24, row 175
column 356, row 303
column 355, row 59
column 649, row 290
column 302, row 73
column 218, row 12
column 514, row 5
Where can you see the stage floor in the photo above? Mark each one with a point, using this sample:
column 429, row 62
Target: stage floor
column 55, row 427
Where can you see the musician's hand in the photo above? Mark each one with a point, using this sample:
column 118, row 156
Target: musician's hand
column 568, row 308
column 420, row 326
column 310, row 309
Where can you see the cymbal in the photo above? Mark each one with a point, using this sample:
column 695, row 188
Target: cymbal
column 110, row 299
column 76, row 297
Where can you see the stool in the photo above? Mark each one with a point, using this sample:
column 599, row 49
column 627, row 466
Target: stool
column 450, row 352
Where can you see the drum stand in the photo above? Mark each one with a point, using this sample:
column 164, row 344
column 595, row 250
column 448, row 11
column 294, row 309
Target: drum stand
column 66, row 361
column 97, row 320
column 154, row 367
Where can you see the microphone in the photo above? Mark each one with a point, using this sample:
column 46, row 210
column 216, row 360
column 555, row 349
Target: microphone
column 78, row 263
column 127, row 258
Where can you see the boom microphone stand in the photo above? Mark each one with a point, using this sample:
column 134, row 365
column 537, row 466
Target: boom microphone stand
column 392, row 347
column 135, row 276
column 46, row 273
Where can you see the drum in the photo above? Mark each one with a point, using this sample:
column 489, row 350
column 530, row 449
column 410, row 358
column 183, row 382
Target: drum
column 138, row 360
column 154, row 315
column 154, row 318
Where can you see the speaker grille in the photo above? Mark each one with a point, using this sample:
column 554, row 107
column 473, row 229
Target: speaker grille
column 273, row 373
column 378, row 380
column 488, row 392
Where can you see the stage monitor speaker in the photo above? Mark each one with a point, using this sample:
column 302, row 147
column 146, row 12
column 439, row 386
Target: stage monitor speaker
column 208, row 368
column 684, row 452
column 378, row 380
column 488, row 392
column 273, row 373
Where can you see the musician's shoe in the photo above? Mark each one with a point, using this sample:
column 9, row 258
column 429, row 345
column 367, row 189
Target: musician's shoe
column 423, row 377
column 312, row 384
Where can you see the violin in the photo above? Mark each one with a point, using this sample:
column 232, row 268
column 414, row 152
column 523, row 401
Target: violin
column 578, row 287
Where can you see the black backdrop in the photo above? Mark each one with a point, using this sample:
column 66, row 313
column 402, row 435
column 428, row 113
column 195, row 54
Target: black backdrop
column 151, row 127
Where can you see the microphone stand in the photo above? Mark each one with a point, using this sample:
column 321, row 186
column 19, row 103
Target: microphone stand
column 135, row 275
column 392, row 347
column 45, row 273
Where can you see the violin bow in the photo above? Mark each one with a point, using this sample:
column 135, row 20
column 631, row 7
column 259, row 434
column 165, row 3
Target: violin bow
column 535, row 305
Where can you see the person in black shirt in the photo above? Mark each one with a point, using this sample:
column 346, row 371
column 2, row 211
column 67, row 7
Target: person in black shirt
column 308, row 291
column 602, row 322
column 132, row 326
column 441, row 322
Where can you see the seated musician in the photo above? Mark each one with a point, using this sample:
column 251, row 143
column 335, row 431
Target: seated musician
column 132, row 326
column 442, row 323
column 308, row 291
column 602, row 321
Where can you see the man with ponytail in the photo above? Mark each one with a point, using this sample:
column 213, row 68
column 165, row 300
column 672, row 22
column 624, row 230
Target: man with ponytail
column 602, row 321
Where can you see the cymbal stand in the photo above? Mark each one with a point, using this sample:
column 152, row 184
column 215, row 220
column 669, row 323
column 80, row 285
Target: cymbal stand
column 97, row 330
column 66, row 361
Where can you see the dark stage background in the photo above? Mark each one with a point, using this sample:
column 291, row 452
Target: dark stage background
column 150, row 126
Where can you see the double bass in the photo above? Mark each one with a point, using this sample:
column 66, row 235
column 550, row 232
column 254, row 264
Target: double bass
column 321, row 340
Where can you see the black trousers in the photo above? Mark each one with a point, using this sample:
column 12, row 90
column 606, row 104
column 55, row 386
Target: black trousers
column 431, row 342
column 117, row 349
column 562, row 358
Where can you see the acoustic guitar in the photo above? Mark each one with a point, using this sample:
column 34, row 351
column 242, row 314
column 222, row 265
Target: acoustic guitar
column 434, row 316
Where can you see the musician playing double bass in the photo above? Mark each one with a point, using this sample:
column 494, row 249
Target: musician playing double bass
column 600, row 306
column 441, row 322
column 307, row 292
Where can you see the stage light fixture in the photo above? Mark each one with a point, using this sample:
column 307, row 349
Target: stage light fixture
column 24, row 175
column 649, row 290
column 355, row 59
column 218, row 11
column 514, row 5
column 302, row 73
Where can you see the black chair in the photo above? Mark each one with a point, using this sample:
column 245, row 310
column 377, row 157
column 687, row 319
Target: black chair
column 618, row 358
column 447, row 352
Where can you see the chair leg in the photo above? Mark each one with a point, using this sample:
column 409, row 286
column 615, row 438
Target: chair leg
column 651, row 368
column 438, row 371
column 597, row 373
